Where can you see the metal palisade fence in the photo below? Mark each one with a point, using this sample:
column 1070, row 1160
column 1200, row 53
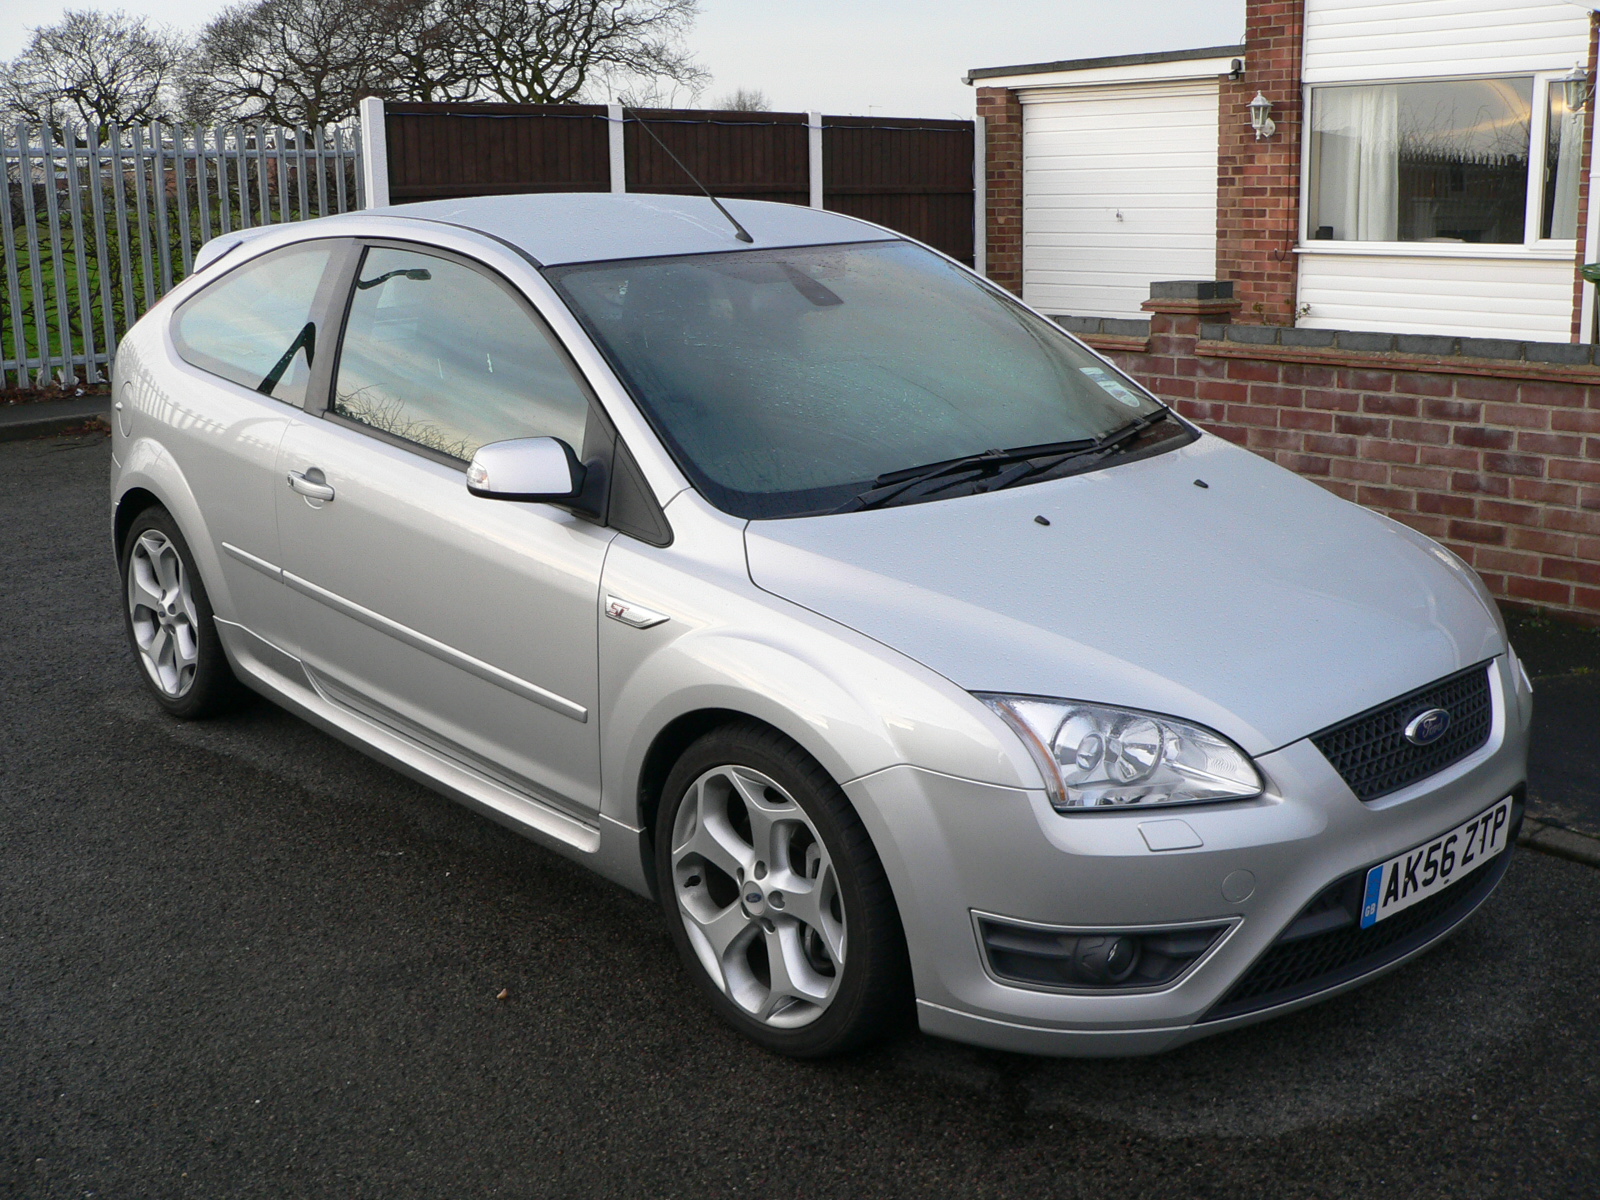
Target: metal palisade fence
column 99, row 224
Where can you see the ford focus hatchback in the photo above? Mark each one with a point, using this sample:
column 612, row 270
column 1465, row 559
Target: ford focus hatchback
column 902, row 647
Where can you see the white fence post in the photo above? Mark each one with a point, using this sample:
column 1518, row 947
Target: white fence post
column 374, row 154
column 814, row 144
column 614, row 143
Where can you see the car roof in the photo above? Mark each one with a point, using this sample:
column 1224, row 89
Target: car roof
column 573, row 227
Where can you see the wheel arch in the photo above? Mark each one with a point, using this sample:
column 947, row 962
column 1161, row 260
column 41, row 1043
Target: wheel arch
column 150, row 476
column 128, row 507
column 666, row 748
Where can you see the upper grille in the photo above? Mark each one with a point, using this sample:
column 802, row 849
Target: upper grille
column 1370, row 750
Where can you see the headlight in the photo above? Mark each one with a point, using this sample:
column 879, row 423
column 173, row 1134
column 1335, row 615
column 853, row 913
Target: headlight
column 1093, row 756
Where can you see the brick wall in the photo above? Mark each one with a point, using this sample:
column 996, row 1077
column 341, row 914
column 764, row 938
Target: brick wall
column 1258, row 182
column 1499, row 459
column 1001, row 112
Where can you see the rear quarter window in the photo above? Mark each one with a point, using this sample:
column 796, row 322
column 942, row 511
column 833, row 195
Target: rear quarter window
column 255, row 325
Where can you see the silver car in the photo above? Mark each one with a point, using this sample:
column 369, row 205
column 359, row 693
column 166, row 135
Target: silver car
column 781, row 568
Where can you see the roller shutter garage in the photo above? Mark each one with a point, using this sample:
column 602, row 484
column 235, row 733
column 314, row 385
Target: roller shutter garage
column 1119, row 188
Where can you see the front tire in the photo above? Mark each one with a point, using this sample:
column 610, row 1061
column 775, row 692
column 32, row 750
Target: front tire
column 775, row 897
column 168, row 619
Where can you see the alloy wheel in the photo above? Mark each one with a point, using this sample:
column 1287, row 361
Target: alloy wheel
column 162, row 612
column 759, row 896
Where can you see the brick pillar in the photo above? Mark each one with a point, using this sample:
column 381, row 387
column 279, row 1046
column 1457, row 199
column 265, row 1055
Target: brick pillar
column 1258, row 182
column 1579, row 334
column 1002, row 115
column 1178, row 307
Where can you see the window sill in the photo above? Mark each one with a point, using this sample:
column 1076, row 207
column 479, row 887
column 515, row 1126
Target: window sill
column 1547, row 252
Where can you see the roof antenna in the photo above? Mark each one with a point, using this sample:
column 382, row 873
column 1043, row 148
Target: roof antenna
column 742, row 233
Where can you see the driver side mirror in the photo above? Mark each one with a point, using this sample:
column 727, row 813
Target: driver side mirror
column 537, row 468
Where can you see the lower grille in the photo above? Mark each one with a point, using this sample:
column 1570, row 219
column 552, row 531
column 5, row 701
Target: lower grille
column 1325, row 946
column 1370, row 750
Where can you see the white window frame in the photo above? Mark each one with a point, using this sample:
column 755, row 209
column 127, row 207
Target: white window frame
column 1532, row 248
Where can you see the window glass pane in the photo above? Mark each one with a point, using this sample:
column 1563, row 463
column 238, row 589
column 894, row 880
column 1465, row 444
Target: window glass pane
column 785, row 380
column 444, row 356
column 254, row 326
column 1563, row 137
column 1421, row 162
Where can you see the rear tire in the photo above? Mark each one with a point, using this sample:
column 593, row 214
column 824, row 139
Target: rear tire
column 775, row 896
column 168, row 619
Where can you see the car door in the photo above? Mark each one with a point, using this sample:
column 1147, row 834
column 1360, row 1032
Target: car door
column 466, row 624
column 249, row 340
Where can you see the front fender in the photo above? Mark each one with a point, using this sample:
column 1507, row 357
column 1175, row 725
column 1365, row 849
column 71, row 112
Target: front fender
column 855, row 705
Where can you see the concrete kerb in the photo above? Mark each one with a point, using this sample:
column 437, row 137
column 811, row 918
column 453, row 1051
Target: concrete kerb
column 1563, row 843
column 18, row 421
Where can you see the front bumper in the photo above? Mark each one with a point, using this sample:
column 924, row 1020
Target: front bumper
column 954, row 848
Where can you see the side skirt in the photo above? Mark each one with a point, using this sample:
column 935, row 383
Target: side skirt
column 604, row 845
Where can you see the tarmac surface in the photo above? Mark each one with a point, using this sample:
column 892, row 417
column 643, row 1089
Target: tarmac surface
column 239, row 959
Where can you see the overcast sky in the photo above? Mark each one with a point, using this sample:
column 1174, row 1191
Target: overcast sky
column 889, row 57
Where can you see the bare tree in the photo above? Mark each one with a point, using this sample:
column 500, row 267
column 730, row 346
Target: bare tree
column 308, row 62
column 292, row 62
column 743, row 99
column 94, row 68
column 423, row 53
column 557, row 51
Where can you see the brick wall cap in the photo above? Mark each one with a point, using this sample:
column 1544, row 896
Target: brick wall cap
column 1191, row 289
column 1490, row 348
column 1203, row 308
column 1350, row 339
column 1568, row 353
column 1306, row 337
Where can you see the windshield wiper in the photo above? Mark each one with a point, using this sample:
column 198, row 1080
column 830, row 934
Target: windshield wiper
column 1103, row 447
column 892, row 484
column 1013, row 465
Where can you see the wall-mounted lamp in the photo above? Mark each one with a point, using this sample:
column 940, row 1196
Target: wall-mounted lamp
column 1575, row 88
column 1261, row 117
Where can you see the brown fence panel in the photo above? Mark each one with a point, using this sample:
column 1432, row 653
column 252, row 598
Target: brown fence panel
column 745, row 156
column 912, row 175
column 445, row 151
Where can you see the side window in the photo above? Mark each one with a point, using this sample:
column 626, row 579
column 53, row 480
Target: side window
column 446, row 357
column 254, row 327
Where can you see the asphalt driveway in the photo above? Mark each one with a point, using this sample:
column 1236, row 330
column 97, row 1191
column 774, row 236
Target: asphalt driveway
column 239, row 959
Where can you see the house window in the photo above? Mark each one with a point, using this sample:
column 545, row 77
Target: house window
column 1444, row 161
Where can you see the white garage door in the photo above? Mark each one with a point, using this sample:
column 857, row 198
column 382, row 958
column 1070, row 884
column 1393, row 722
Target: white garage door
column 1119, row 188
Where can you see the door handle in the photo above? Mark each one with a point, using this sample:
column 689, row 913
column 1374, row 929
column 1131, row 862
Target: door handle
column 313, row 489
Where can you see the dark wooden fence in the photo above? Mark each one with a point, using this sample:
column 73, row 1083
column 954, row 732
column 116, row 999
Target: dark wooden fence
column 913, row 175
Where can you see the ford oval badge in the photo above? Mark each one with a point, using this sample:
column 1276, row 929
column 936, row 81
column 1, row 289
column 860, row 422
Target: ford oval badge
column 1427, row 727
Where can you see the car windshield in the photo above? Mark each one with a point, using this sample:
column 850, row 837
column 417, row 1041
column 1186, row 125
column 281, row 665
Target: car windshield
column 786, row 382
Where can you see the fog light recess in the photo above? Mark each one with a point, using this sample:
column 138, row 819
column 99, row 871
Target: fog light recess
column 1110, row 961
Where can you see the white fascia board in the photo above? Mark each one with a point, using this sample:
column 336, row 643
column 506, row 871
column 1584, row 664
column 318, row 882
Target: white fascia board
column 1160, row 72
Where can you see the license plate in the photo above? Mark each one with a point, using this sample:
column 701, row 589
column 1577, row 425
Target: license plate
column 1418, row 873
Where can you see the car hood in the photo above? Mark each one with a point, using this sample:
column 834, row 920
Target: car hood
column 1259, row 605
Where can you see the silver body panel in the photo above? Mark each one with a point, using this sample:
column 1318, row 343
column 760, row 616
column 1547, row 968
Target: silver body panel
column 466, row 641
